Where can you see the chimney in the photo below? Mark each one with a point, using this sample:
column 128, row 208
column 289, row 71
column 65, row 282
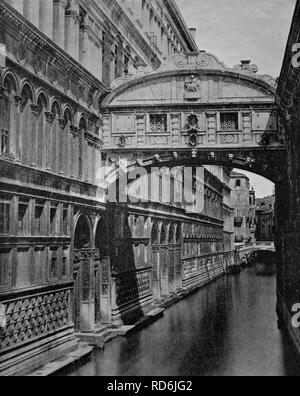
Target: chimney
column 193, row 32
column 245, row 65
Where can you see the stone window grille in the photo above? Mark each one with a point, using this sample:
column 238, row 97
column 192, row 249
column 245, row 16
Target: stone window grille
column 158, row 123
column 229, row 122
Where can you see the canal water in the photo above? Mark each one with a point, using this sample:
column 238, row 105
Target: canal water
column 228, row 328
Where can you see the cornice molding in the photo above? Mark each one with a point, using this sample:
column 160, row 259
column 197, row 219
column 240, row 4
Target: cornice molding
column 33, row 38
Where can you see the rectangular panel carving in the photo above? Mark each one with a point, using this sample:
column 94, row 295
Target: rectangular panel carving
column 123, row 124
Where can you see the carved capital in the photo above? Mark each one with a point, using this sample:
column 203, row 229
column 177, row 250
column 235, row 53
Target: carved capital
column 73, row 14
column 211, row 113
column 62, row 123
column 20, row 103
column 49, row 117
column 61, row 3
column 74, row 129
column 35, row 110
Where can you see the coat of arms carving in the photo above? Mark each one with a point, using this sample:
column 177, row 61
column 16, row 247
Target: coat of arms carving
column 192, row 89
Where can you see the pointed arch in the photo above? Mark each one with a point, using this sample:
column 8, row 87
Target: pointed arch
column 102, row 237
column 27, row 91
column 83, row 233
column 42, row 143
column 27, row 95
column 11, row 76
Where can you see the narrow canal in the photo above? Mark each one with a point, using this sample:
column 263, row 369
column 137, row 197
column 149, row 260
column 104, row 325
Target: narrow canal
column 228, row 328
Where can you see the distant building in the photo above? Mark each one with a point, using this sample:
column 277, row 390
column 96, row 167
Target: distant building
column 244, row 203
column 265, row 220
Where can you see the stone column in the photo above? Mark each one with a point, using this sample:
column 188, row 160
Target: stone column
column 46, row 17
column 165, row 48
column 85, row 47
column 18, row 5
column 59, row 22
column 72, row 33
column 31, row 11
column 87, row 308
column 74, row 151
column 60, row 148
column 35, row 111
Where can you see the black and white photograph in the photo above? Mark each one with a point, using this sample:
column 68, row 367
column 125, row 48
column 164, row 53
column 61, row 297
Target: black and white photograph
column 149, row 191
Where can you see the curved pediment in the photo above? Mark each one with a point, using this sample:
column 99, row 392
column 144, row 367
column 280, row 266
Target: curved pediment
column 194, row 79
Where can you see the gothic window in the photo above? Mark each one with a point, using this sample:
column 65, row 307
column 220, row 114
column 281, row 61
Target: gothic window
column 65, row 262
column 4, row 125
column 26, row 122
column 23, row 217
column 53, row 219
column 65, row 220
column 41, row 132
column 158, row 123
column 55, row 137
column 4, row 214
column 38, row 217
column 53, row 269
column 229, row 122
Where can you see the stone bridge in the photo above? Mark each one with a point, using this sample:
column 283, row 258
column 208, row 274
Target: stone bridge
column 194, row 110
column 245, row 250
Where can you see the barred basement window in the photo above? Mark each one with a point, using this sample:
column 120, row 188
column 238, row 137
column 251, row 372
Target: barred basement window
column 229, row 122
column 4, row 142
column 158, row 123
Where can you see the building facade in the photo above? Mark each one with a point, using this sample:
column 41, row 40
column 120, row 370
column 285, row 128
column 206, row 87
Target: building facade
column 287, row 210
column 243, row 202
column 265, row 219
column 69, row 261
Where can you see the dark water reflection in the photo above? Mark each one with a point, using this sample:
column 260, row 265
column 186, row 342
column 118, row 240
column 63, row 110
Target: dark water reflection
column 227, row 329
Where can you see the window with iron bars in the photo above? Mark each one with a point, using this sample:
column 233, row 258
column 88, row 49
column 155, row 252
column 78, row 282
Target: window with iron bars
column 158, row 123
column 229, row 122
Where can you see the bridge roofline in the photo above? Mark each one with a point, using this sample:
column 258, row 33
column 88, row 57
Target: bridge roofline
column 204, row 64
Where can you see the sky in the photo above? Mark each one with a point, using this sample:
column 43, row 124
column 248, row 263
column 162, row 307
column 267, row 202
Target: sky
column 243, row 29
